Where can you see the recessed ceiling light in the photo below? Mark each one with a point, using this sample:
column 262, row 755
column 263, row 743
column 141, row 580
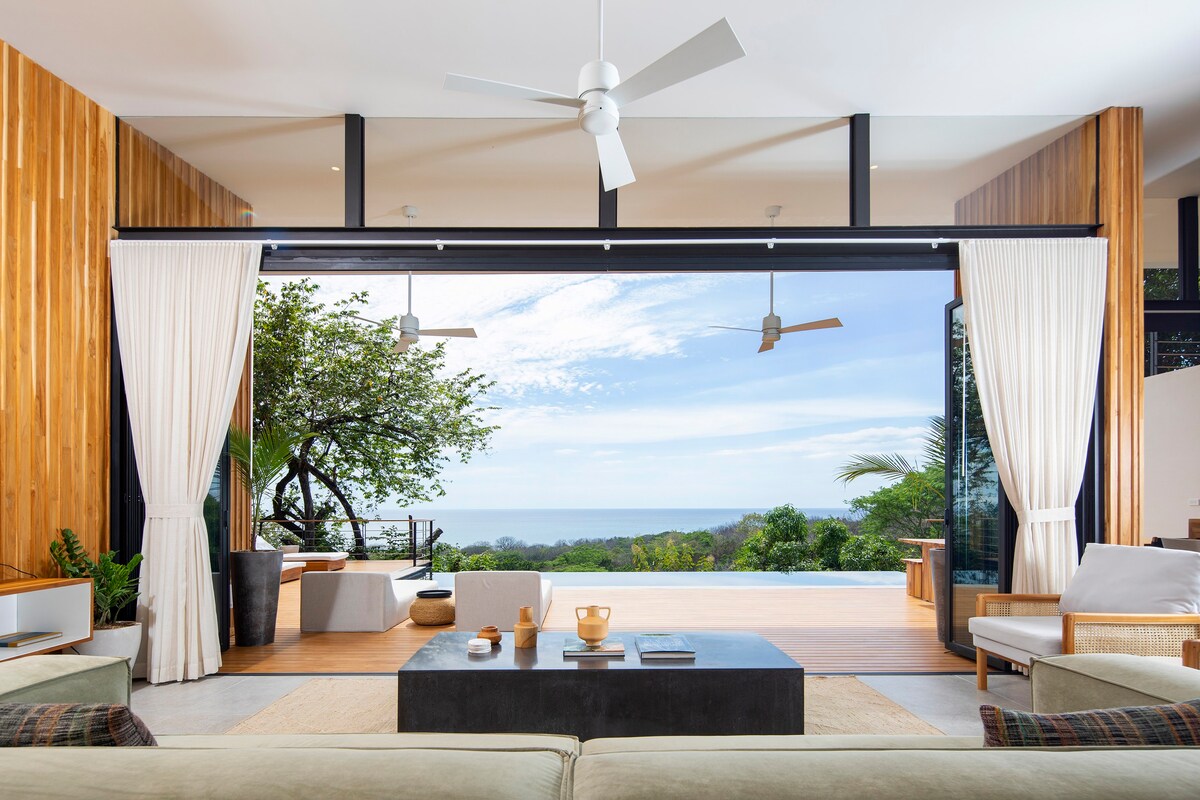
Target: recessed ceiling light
column 339, row 169
column 873, row 166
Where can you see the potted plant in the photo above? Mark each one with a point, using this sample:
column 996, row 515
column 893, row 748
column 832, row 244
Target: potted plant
column 255, row 574
column 113, row 588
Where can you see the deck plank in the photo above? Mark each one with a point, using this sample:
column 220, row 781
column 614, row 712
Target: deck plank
column 827, row 629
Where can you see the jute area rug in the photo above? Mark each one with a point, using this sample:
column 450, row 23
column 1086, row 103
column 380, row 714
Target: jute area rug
column 368, row 705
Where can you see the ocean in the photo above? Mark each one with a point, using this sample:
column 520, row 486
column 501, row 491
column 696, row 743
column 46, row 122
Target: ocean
column 462, row 527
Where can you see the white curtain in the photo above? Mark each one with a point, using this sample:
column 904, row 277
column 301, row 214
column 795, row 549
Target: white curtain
column 1034, row 312
column 183, row 313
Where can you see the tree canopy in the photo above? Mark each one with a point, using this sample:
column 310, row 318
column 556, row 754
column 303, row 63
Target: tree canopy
column 381, row 425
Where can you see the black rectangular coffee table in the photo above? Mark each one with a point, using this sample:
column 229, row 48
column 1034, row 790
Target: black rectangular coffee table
column 739, row 683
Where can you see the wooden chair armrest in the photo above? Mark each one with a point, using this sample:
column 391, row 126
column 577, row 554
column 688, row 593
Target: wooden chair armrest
column 1006, row 601
column 1135, row 634
column 1191, row 653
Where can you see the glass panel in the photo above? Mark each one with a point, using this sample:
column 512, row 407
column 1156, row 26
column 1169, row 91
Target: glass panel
column 974, row 489
column 212, row 515
column 725, row 172
column 224, row 171
column 1161, row 278
column 922, row 166
column 480, row 173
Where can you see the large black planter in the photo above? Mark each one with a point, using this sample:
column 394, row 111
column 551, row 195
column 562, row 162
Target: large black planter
column 255, row 578
column 937, row 562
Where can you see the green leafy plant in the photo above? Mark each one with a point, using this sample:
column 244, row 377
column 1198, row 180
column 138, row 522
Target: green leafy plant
column 261, row 459
column 113, row 584
column 895, row 467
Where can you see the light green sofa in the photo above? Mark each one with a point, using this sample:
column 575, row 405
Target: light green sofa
column 65, row 679
column 531, row 767
column 1061, row 684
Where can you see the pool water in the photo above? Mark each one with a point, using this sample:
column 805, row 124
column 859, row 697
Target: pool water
column 858, row 580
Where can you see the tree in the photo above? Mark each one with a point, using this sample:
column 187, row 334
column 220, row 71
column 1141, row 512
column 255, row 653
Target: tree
column 871, row 552
column 382, row 425
column 901, row 509
column 828, row 537
column 668, row 556
column 781, row 545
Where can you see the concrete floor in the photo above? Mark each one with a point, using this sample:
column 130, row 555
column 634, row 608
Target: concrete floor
column 215, row 704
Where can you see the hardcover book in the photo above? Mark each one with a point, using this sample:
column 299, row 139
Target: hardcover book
column 603, row 650
column 22, row 638
column 652, row 646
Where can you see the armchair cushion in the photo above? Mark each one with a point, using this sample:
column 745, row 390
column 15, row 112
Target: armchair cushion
column 1139, row 726
column 1116, row 579
column 1038, row 635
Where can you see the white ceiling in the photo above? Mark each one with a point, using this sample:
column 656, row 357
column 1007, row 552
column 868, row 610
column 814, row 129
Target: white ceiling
column 806, row 59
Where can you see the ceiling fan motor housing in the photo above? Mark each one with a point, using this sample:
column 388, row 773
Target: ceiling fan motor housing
column 599, row 114
column 409, row 327
column 770, row 327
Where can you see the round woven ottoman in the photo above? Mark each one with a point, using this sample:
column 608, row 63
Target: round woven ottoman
column 432, row 610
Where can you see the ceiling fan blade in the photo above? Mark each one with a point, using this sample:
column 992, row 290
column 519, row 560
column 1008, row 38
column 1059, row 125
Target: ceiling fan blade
column 766, row 346
column 465, row 83
column 614, row 164
column 727, row 328
column 466, row 333
column 709, row 49
column 400, row 346
column 832, row 322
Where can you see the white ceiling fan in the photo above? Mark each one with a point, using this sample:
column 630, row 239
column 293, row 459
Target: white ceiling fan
column 602, row 93
column 772, row 328
column 411, row 330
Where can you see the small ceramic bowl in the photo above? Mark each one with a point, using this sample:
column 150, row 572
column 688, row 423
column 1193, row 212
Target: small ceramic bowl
column 477, row 647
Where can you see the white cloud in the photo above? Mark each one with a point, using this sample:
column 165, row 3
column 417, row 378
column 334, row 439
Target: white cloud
column 905, row 441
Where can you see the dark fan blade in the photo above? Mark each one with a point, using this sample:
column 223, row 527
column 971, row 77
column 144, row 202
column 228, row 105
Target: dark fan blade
column 832, row 322
column 709, row 49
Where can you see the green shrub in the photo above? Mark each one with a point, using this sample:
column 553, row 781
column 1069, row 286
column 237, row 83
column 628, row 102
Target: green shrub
column 871, row 552
column 829, row 535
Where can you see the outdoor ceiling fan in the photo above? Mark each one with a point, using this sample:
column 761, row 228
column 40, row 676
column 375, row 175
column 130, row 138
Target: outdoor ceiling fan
column 771, row 325
column 602, row 93
column 411, row 331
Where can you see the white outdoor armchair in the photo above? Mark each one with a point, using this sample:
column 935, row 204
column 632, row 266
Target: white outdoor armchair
column 1135, row 600
column 493, row 598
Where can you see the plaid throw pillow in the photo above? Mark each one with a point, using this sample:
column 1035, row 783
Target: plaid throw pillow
column 55, row 724
column 1176, row 725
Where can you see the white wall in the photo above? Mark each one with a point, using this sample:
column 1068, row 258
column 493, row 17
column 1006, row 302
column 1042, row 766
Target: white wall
column 1172, row 449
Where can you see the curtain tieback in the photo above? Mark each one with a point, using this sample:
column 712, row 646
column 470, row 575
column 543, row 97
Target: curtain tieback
column 1064, row 514
column 174, row 510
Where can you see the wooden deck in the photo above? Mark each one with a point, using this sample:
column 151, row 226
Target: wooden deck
column 828, row 630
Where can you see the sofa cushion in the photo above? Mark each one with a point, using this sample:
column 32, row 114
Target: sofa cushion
column 71, row 724
column 65, row 679
column 1109, row 680
column 1176, row 725
column 1038, row 635
column 1116, row 579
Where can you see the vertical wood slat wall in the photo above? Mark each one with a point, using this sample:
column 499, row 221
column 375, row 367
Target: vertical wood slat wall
column 240, row 522
column 56, row 207
column 1093, row 174
column 159, row 189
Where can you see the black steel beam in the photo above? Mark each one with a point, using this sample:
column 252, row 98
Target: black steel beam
column 1189, row 249
column 860, row 170
column 608, row 206
column 354, row 171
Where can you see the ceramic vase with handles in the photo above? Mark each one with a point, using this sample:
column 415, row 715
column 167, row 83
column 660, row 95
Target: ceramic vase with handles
column 593, row 628
column 525, row 631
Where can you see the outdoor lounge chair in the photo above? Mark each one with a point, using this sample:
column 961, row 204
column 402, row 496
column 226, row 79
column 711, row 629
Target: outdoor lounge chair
column 310, row 562
column 1135, row 600
column 493, row 598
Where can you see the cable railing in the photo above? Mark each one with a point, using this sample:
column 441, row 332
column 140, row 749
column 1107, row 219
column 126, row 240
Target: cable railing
column 403, row 539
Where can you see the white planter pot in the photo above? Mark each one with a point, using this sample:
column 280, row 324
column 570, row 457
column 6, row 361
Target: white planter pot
column 123, row 642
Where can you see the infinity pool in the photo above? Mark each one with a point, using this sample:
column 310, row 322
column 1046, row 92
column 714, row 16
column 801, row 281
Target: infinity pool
column 857, row 580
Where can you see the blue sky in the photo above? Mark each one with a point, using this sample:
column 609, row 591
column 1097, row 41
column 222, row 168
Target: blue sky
column 614, row 393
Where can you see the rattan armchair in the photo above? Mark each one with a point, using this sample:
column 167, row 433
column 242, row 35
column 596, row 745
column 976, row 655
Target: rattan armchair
column 1131, row 634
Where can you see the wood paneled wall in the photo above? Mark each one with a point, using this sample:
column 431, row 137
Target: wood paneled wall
column 1120, row 215
column 240, row 513
column 56, row 212
column 159, row 189
column 1093, row 174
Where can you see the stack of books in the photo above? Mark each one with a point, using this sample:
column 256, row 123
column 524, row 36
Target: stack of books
column 23, row 638
column 664, row 646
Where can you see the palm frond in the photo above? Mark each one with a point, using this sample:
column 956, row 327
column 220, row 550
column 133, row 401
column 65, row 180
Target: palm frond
column 892, row 466
column 934, row 448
